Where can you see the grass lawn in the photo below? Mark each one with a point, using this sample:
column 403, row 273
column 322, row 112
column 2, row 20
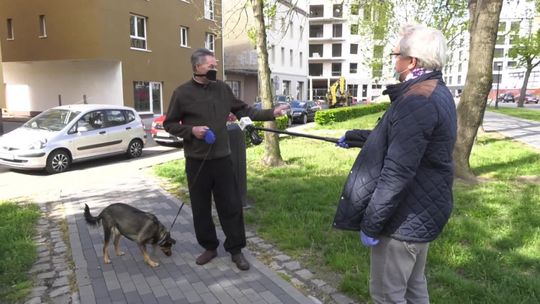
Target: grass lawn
column 17, row 250
column 488, row 253
column 518, row 112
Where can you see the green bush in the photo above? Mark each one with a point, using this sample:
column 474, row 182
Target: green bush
column 330, row 116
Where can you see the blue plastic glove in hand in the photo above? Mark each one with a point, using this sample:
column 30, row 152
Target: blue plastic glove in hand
column 342, row 142
column 368, row 241
column 210, row 137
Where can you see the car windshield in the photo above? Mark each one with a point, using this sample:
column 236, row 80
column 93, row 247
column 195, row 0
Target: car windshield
column 297, row 104
column 52, row 120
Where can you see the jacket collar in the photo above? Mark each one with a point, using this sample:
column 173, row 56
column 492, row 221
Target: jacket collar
column 397, row 90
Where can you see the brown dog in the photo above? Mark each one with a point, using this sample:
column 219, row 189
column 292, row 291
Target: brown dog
column 139, row 226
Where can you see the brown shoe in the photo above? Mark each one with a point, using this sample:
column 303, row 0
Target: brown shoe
column 206, row 257
column 240, row 261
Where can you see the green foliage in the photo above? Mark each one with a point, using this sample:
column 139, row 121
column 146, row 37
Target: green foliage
column 526, row 50
column 493, row 223
column 17, row 250
column 330, row 116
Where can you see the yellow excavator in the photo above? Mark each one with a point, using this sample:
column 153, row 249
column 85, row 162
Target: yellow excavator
column 337, row 95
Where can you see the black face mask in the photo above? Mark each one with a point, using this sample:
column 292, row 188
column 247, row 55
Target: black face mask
column 210, row 75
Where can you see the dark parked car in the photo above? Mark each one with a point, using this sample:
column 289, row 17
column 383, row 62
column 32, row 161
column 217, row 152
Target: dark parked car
column 258, row 105
column 507, row 97
column 303, row 111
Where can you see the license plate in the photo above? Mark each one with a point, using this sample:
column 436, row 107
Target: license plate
column 162, row 134
column 4, row 155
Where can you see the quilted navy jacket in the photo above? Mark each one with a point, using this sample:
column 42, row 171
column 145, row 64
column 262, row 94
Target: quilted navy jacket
column 401, row 182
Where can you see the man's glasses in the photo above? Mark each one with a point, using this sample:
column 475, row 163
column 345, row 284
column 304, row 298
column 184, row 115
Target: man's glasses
column 394, row 54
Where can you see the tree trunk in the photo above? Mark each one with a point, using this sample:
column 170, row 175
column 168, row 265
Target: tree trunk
column 272, row 154
column 523, row 90
column 484, row 22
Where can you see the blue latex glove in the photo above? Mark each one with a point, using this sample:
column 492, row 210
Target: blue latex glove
column 342, row 142
column 368, row 241
column 210, row 137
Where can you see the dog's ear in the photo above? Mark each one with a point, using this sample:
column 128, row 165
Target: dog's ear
column 173, row 241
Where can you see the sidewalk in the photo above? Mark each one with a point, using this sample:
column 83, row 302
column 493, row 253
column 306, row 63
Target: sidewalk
column 178, row 279
column 525, row 131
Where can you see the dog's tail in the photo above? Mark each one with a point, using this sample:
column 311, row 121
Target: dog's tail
column 90, row 219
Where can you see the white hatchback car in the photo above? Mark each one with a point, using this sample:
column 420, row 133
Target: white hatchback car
column 62, row 135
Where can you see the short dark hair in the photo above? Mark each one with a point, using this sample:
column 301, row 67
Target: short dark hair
column 199, row 56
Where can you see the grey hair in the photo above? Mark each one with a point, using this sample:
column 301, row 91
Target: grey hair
column 199, row 57
column 426, row 44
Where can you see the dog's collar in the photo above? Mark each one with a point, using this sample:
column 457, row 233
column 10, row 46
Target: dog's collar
column 163, row 238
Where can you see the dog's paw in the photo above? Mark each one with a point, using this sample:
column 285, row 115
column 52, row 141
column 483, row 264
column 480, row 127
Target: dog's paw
column 120, row 253
column 153, row 264
column 107, row 261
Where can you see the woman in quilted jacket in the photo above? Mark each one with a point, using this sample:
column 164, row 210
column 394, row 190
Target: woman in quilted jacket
column 398, row 195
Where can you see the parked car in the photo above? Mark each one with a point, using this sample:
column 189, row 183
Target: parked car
column 57, row 137
column 530, row 98
column 303, row 111
column 258, row 105
column 507, row 97
column 162, row 137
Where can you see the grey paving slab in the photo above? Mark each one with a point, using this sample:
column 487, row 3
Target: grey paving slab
column 178, row 279
column 523, row 130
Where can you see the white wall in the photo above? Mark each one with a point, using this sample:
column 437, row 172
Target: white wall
column 35, row 86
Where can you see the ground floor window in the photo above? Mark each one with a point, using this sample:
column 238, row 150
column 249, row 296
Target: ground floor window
column 147, row 96
column 235, row 87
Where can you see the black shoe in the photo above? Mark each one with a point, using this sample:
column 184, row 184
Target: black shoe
column 206, row 257
column 240, row 261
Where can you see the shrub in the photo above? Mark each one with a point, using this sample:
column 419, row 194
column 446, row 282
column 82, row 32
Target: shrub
column 330, row 116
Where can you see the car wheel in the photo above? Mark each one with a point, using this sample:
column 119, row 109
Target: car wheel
column 304, row 119
column 58, row 162
column 135, row 148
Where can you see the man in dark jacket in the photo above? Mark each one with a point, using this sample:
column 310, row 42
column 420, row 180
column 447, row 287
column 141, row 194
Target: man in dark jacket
column 399, row 192
column 202, row 105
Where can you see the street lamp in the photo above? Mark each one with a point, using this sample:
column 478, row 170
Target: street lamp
column 499, row 66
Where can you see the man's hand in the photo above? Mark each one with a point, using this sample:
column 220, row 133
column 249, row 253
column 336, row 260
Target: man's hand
column 281, row 110
column 368, row 241
column 342, row 142
column 199, row 131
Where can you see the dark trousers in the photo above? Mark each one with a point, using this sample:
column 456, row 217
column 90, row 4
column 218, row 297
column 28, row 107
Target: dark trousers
column 215, row 177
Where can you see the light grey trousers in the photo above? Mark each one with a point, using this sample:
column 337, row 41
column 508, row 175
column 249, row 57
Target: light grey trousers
column 397, row 272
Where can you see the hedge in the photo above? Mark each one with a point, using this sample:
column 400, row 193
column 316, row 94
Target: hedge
column 326, row 117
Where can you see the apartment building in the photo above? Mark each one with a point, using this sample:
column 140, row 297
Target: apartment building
column 287, row 41
column 517, row 19
column 336, row 49
column 127, row 52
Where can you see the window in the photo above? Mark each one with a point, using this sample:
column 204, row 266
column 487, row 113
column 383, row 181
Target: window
column 354, row 48
column 291, row 30
column 184, row 36
column 353, row 68
column 499, row 53
column 42, row 26
column 459, row 79
column 354, row 9
column 514, row 26
column 354, row 29
column 147, row 96
column 316, row 11
column 315, row 69
column 502, row 26
column 10, row 34
column 336, row 50
column 273, row 54
column 282, row 56
column 337, row 30
column 286, row 87
column 235, row 87
column 291, row 58
column 459, row 67
column 209, row 9
column 496, row 78
column 338, row 10
column 138, row 32
column 513, row 39
column 301, row 32
column 450, row 80
column 336, row 69
column 511, row 64
column 316, row 31
column 210, row 41
column 300, row 90
column 500, row 39
column 114, row 118
column 316, row 50
column 301, row 60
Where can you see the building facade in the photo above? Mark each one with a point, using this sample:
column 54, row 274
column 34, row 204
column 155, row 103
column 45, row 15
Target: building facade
column 287, row 43
column 128, row 52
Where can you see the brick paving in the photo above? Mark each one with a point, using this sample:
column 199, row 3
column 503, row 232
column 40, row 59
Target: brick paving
column 178, row 279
